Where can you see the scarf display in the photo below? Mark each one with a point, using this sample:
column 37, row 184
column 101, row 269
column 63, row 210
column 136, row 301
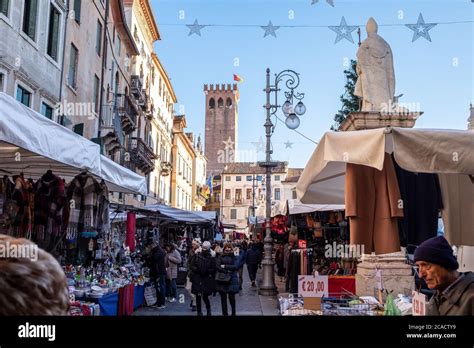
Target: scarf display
column 22, row 198
column 49, row 204
column 83, row 193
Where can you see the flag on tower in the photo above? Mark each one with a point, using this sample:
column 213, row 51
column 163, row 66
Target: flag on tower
column 238, row 78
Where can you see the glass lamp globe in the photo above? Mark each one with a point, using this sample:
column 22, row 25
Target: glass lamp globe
column 287, row 108
column 292, row 121
column 300, row 108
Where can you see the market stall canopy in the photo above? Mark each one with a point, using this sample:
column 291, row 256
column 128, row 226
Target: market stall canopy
column 121, row 179
column 415, row 150
column 208, row 215
column 122, row 216
column 296, row 207
column 32, row 144
column 177, row 214
column 253, row 220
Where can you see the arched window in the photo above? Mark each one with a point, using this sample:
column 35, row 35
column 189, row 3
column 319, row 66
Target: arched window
column 228, row 103
column 220, row 103
column 212, row 103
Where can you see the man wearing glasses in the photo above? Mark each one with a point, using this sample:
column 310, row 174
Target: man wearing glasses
column 438, row 267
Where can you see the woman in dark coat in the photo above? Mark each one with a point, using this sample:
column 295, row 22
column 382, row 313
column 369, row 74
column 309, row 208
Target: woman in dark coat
column 203, row 267
column 228, row 263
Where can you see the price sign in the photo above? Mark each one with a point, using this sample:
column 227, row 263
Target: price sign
column 302, row 244
column 310, row 286
column 418, row 303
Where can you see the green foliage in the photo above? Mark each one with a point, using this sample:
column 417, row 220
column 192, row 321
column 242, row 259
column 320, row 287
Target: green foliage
column 350, row 102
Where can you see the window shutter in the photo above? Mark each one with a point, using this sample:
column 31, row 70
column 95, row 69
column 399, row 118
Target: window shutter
column 32, row 19
column 79, row 129
column 77, row 10
column 4, row 6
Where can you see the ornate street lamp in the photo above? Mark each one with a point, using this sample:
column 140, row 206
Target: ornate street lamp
column 292, row 113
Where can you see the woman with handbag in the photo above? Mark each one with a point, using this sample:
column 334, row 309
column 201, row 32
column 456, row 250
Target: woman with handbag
column 227, row 282
column 203, row 267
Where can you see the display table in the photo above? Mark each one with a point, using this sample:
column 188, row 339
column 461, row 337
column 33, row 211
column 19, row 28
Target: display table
column 336, row 285
column 123, row 302
column 109, row 304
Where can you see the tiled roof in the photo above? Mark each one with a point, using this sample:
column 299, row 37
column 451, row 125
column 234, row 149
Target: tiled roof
column 252, row 168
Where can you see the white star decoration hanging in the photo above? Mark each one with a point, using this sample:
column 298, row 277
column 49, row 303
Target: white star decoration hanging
column 259, row 146
column 343, row 31
column 421, row 29
column 270, row 29
column 195, row 28
column 288, row 145
column 330, row 2
column 229, row 144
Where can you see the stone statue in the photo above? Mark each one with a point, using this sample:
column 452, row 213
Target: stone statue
column 376, row 82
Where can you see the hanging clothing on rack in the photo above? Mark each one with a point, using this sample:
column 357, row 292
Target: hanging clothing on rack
column 50, row 200
column 83, row 191
column 372, row 199
column 8, row 208
column 22, row 197
column 421, row 195
column 103, row 219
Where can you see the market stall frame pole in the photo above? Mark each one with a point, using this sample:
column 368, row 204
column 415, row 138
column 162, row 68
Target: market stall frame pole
column 268, row 287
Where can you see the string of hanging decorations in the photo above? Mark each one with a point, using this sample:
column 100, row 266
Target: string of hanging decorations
column 343, row 30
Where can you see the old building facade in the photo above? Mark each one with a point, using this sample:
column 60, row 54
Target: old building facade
column 31, row 46
column 183, row 156
column 221, row 134
column 163, row 99
column 243, row 192
column 200, row 189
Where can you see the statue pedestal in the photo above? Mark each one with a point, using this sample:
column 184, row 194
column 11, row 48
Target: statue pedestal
column 370, row 119
column 396, row 274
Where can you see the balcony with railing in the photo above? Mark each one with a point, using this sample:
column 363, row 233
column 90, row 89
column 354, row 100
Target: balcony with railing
column 136, row 87
column 128, row 113
column 166, row 168
column 142, row 155
column 111, row 129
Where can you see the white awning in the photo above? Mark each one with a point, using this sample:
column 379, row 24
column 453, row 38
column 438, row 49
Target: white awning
column 121, row 179
column 416, row 150
column 296, row 207
column 32, row 144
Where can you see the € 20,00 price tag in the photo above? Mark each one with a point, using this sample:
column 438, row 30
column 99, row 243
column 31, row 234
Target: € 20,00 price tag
column 310, row 286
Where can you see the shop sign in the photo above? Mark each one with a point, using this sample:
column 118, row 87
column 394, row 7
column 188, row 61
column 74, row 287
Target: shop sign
column 418, row 303
column 301, row 244
column 312, row 286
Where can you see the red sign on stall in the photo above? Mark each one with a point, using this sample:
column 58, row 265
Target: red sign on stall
column 302, row 244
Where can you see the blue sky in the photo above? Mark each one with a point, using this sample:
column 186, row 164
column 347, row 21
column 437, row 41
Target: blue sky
column 437, row 75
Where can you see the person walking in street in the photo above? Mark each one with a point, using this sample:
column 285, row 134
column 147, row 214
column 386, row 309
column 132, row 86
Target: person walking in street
column 242, row 259
column 253, row 260
column 195, row 245
column 172, row 261
column 203, row 267
column 227, row 283
column 280, row 261
column 286, row 259
column 158, row 274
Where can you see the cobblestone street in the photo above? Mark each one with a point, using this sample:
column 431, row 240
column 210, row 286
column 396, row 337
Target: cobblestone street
column 248, row 301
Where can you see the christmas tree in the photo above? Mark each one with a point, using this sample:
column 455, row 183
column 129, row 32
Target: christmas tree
column 350, row 102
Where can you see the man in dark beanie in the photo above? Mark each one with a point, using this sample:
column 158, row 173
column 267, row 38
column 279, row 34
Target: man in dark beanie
column 438, row 267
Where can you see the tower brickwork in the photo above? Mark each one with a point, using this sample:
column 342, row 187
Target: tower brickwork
column 221, row 135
